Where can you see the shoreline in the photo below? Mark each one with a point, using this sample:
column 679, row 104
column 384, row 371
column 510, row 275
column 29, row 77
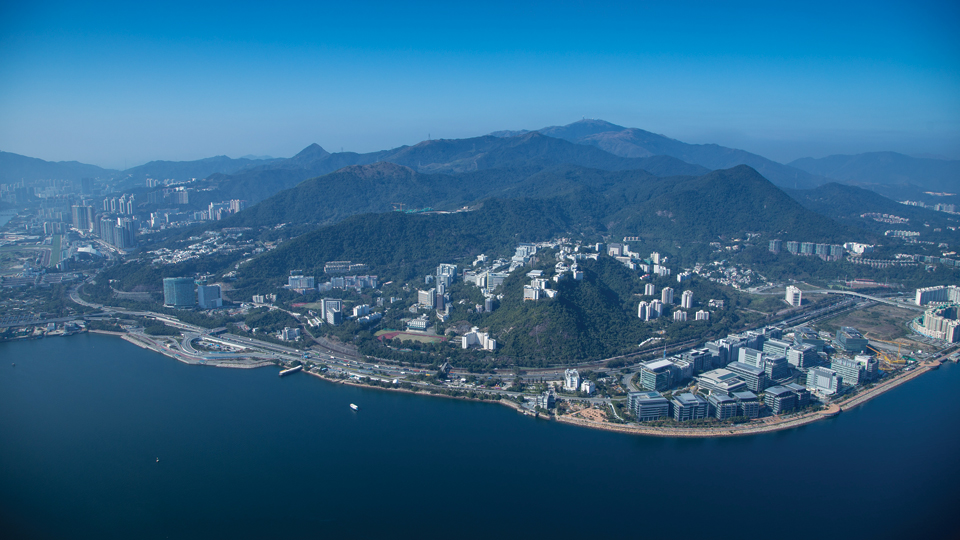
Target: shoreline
column 768, row 425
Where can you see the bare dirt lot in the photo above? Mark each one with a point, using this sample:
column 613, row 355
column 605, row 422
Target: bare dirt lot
column 880, row 322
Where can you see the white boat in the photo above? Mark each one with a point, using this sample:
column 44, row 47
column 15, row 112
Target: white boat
column 354, row 407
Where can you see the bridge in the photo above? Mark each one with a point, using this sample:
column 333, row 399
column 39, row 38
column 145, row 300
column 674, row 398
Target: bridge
column 894, row 303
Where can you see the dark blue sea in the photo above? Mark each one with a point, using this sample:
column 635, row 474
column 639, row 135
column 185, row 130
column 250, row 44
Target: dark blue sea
column 246, row 454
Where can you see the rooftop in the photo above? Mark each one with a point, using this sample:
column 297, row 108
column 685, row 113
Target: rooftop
column 658, row 365
column 688, row 399
column 779, row 390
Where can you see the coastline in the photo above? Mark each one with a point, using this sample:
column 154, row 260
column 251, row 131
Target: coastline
column 766, row 425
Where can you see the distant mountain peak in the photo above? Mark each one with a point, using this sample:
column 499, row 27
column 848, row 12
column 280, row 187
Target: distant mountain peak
column 312, row 151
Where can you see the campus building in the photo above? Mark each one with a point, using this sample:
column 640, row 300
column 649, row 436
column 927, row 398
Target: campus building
column 648, row 406
column 178, row 292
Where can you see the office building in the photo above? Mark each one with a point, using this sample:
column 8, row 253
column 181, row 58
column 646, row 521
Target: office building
column 648, row 406
column 869, row 367
column 850, row 371
column 823, row 381
column 686, row 300
column 850, row 339
column 803, row 395
column 290, row 334
column 658, row 375
column 807, row 336
column 666, row 295
column 688, row 406
column 776, row 347
column 720, row 381
column 754, row 377
column 776, row 367
column 178, row 292
column 722, row 406
column 794, row 296
column 751, row 357
column 571, row 380
column 208, row 296
column 780, row 399
column 803, row 356
column 701, row 359
column 748, row 405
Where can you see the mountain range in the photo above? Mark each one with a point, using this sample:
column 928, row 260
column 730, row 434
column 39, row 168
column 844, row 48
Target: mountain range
column 589, row 143
column 886, row 168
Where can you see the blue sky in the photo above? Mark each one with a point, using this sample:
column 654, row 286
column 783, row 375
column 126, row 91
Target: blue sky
column 121, row 84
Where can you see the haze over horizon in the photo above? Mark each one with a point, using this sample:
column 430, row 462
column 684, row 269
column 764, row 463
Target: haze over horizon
column 119, row 85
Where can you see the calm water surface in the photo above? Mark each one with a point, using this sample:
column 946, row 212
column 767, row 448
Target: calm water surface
column 245, row 454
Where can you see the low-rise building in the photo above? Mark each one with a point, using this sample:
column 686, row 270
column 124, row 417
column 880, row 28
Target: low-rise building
column 803, row 395
column 849, row 370
column 851, row 340
column 780, row 399
column 803, row 356
column 688, row 406
column 756, row 378
column 648, row 406
column 721, row 381
column 476, row 337
column 807, row 336
column 722, row 406
column 776, row 347
column 823, row 381
column 748, row 405
column 776, row 367
column 658, row 375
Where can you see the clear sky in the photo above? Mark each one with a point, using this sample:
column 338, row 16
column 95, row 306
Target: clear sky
column 120, row 84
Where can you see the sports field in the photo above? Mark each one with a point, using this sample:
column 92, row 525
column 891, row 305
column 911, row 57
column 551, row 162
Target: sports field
column 422, row 338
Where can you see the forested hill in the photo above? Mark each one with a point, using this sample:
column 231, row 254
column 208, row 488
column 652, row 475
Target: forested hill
column 399, row 246
column 847, row 204
column 14, row 168
column 624, row 203
column 447, row 156
column 721, row 203
column 185, row 170
column 378, row 187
